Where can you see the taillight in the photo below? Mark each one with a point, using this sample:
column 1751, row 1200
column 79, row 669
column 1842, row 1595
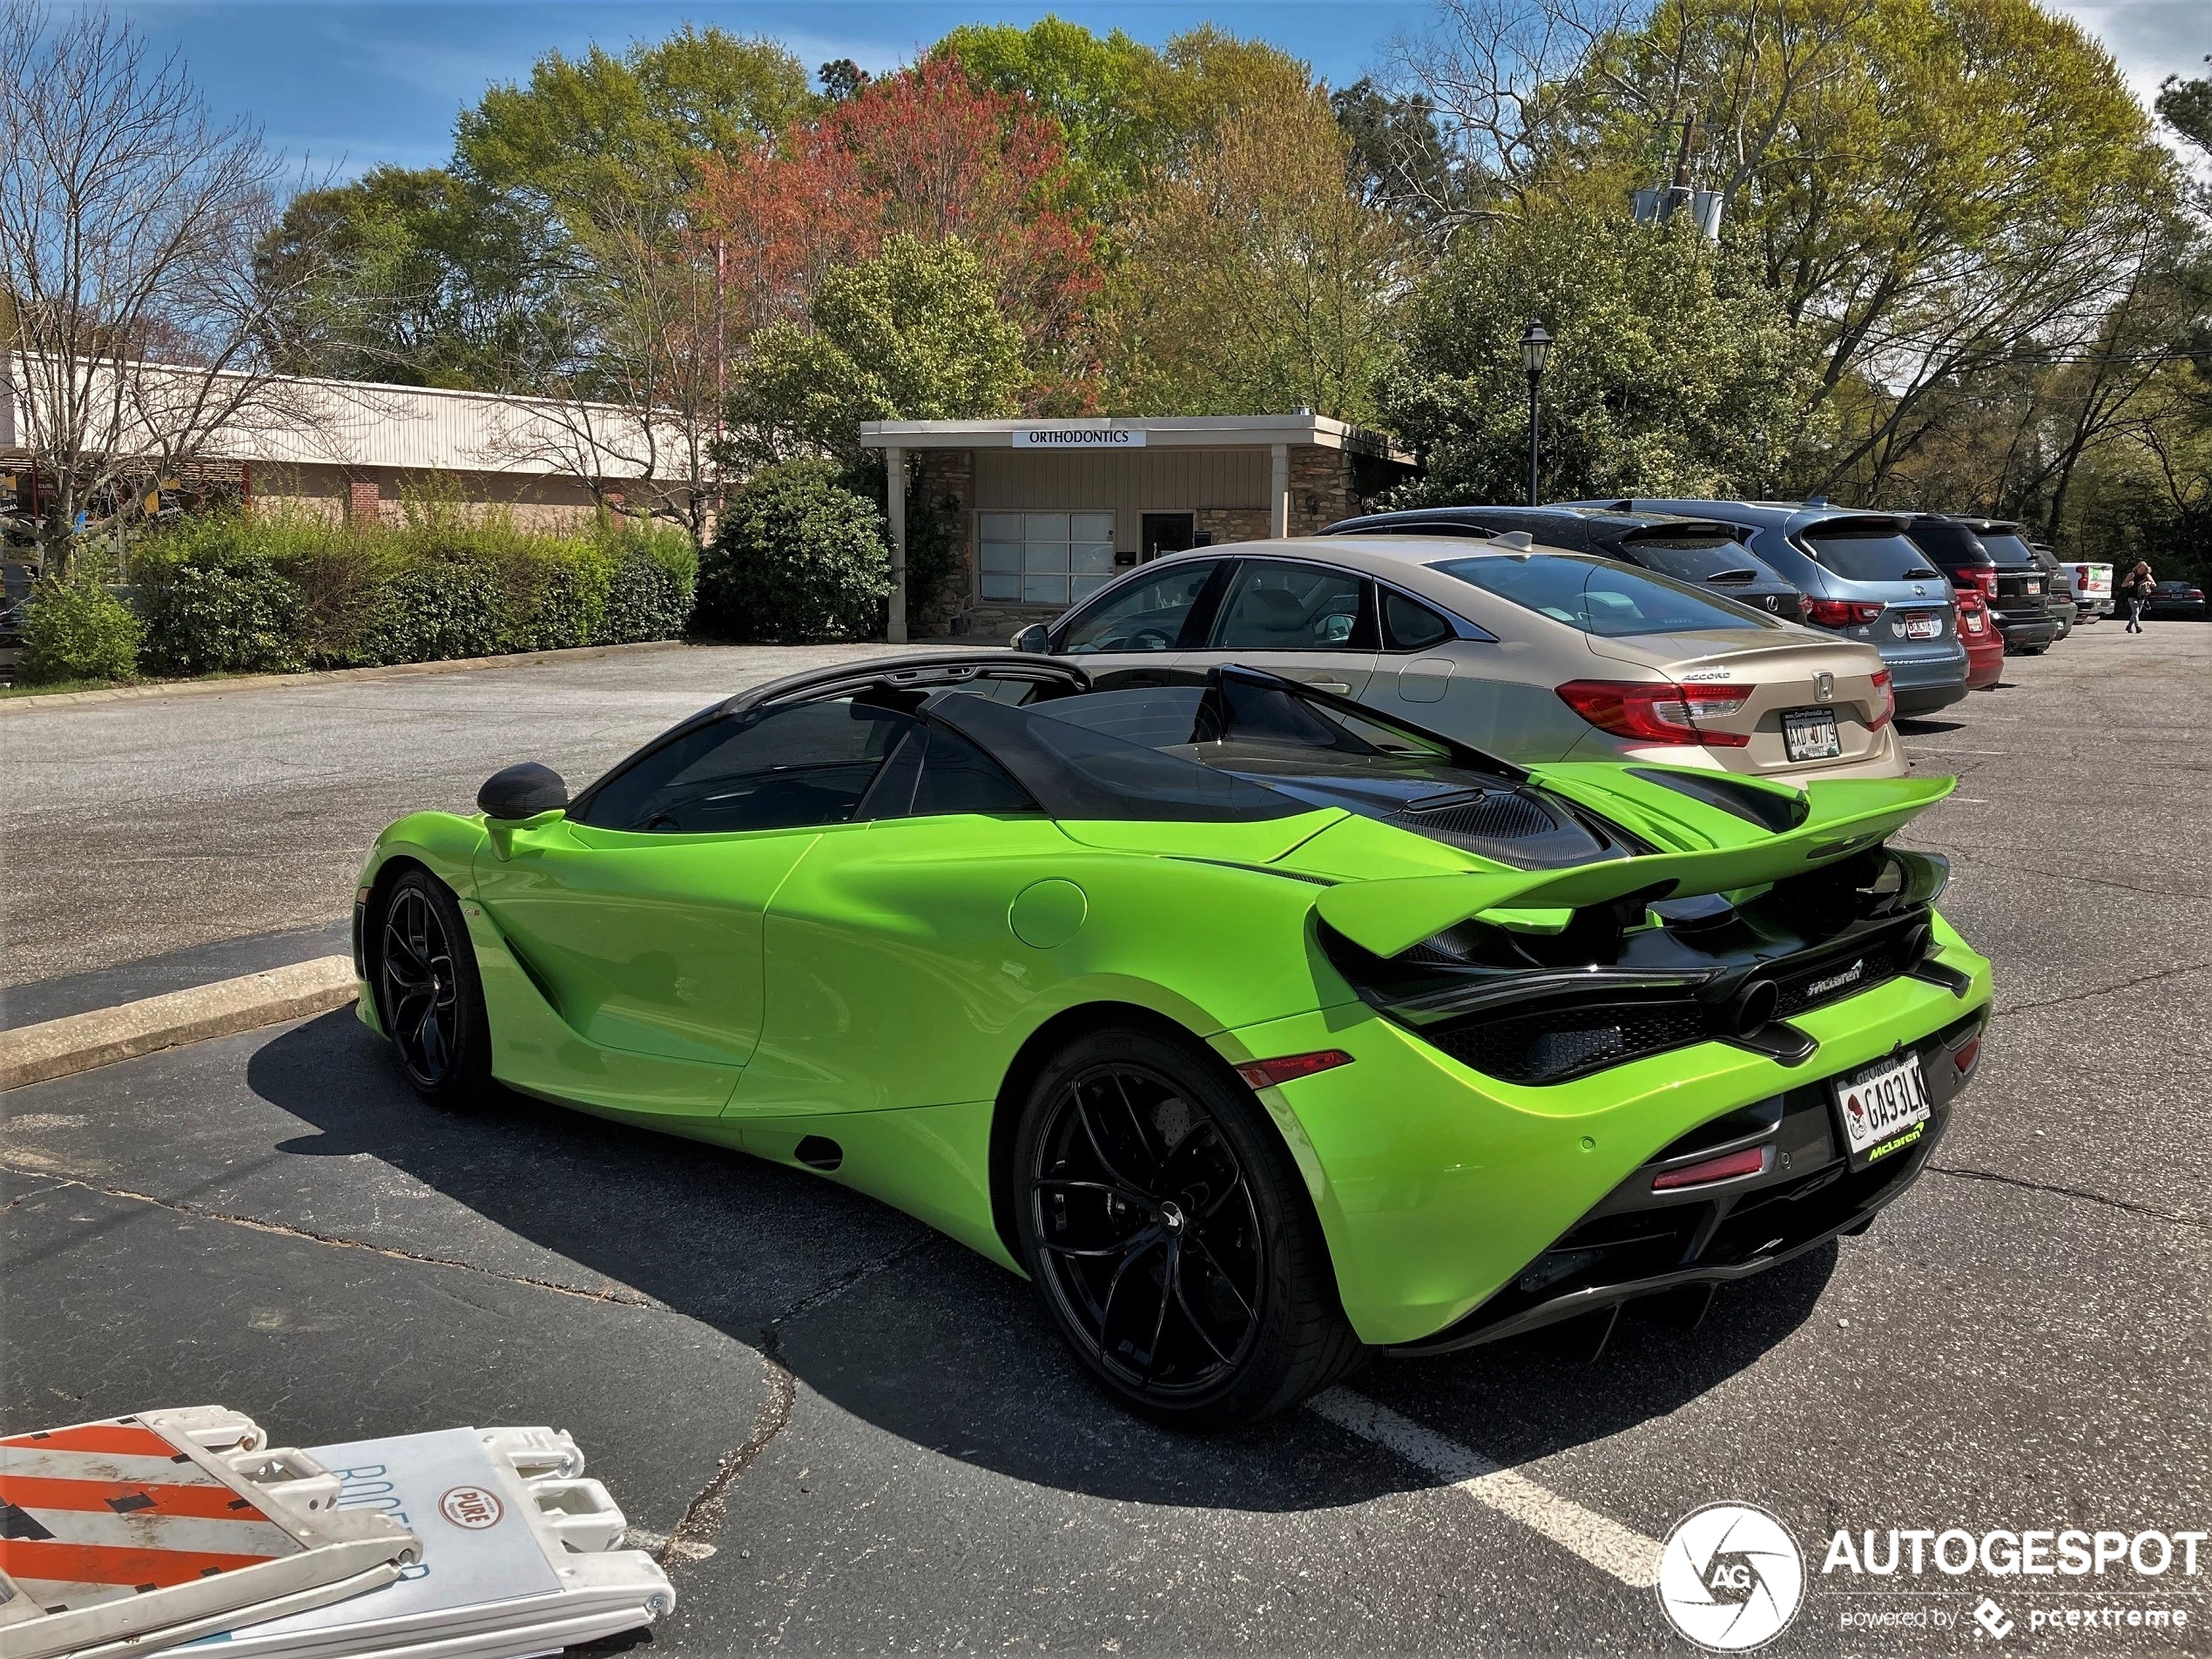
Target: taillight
column 1888, row 712
column 1968, row 1052
column 1732, row 1166
column 1657, row 711
column 1986, row 581
column 1842, row 613
column 1265, row 1074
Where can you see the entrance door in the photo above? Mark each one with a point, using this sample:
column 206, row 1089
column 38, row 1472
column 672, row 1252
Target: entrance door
column 1167, row 533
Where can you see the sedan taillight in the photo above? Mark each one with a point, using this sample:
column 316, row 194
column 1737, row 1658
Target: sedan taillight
column 1888, row 710
column 1842, row 613
column 1657, row 711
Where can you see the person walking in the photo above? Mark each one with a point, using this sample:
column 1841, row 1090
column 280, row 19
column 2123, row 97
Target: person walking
column 2137, row 590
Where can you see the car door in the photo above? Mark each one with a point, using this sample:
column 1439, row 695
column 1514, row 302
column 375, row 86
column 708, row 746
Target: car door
column 1298, row 618
column 640, row 915
column 1144, row 623
column 892, row 973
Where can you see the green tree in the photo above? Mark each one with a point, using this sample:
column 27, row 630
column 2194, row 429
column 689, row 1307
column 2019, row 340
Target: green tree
column 415, row 276
column 1676, row 372
column 1098, row 87
column 912, row 334
column 587, row 132
column 1256, row 275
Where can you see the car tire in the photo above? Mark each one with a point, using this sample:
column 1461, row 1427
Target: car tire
column 429, row 996
column 1170, row 1237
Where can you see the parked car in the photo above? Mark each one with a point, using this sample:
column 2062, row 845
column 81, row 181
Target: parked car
column 1862, row 579
column 1693, row 550
column 2175, row 600
column 1984, row 645
column 2092, row 590
column 2058, row 597
column 1528, row 652
column 1129, row 991
column 15, row 588
column 1983, row 553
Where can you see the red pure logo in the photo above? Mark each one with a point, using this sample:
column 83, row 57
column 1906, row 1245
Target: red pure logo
column 471, row 1508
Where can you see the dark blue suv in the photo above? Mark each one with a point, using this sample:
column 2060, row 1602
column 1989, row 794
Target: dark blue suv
column 1862, row 577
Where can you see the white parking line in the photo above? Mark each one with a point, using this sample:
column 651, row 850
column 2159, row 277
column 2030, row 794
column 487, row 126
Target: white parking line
column 1599, row 1540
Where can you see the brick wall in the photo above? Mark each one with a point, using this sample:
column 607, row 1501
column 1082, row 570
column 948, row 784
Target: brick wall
column 946, row 479
column 363, row 500
column 1320, row 488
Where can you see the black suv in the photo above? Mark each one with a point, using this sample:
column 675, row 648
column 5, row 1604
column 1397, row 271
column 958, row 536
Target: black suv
column 1691, row 550
column 1989, row 554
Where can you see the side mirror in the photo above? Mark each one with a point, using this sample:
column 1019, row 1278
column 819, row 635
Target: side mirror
column 522, row 792
column 1036, row 639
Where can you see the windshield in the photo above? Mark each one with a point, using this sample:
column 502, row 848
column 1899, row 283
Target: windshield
column 1602, row 598
column 1868, row 556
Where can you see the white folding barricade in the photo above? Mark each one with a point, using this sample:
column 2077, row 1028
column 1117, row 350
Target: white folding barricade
column 518, row 1555
column 134, row 1534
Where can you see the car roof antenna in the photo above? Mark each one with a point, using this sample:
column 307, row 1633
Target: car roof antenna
column 1518, row 540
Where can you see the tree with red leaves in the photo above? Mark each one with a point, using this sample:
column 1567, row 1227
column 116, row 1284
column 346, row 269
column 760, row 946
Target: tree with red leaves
column 925, row 154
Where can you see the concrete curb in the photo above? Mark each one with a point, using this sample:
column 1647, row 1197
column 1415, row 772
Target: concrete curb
column 328, row 676
column 33, row 1054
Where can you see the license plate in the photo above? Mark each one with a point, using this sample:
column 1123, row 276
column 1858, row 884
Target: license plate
column 2034, row 585
column 1924, row 627
column 1884, row 1109
column 1811, row 734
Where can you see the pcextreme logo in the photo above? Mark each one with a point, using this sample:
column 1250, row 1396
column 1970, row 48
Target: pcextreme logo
column 1731, row 1577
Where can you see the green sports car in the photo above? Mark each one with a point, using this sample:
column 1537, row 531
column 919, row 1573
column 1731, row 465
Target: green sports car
column 1261, row 1030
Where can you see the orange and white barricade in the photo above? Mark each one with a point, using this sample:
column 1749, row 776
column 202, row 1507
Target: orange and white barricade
column 520, row 1556
column 135, row 1533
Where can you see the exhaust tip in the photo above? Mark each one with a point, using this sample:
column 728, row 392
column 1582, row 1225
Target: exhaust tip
column 1754, row 1006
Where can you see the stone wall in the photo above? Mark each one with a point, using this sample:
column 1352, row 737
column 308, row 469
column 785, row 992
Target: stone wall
column 945, row 479
column 1231, row 523
column 1320, row 488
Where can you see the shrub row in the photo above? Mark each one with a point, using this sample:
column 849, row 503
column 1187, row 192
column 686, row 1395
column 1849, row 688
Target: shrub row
column 229, row 594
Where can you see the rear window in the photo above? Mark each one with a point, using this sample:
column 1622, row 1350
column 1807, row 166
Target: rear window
column 1696, row 558
column 1883, row 555
column 2008, row 550
column 1601, row 598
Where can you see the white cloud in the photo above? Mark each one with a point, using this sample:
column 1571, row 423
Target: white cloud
column 2151, row 38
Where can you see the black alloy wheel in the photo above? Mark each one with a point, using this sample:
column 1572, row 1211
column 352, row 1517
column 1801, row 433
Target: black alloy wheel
column 1165, row 1227
column 427, row 993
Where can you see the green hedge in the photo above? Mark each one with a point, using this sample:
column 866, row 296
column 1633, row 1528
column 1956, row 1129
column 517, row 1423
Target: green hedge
column 77, row 630
column 233, row 593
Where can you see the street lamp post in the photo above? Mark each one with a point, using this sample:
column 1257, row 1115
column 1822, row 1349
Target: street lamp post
column 1535, row 346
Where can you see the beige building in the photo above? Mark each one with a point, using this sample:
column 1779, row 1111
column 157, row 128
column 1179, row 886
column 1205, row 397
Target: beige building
column 358, row 449
column 1046, row 511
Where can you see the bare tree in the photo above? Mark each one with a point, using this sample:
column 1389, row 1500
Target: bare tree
column 128, row 222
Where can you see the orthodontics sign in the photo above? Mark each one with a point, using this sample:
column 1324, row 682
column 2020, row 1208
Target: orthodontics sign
column 1057, row 436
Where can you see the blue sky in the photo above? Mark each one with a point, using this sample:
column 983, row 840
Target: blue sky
column 350, row 86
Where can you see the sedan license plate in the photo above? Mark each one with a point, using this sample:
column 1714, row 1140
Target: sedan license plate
column 1884, row 1109
column 1924, row 627
column 1811, row 734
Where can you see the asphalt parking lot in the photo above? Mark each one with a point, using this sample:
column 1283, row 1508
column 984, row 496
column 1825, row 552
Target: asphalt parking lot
column 847, row 1434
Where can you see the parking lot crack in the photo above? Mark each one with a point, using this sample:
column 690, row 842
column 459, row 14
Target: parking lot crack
column 2181, row 972
column 2152, row 1211
column 693, row 1537
column 51, row 1186
column 608, row 1290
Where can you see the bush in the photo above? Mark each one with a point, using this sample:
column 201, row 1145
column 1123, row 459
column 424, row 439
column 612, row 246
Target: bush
column 77, row 630
column 799, row 557
column 213, row 602
column 432, row 611
column 291, row 590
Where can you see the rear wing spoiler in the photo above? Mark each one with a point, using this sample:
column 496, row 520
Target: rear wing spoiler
column 1846, row 816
